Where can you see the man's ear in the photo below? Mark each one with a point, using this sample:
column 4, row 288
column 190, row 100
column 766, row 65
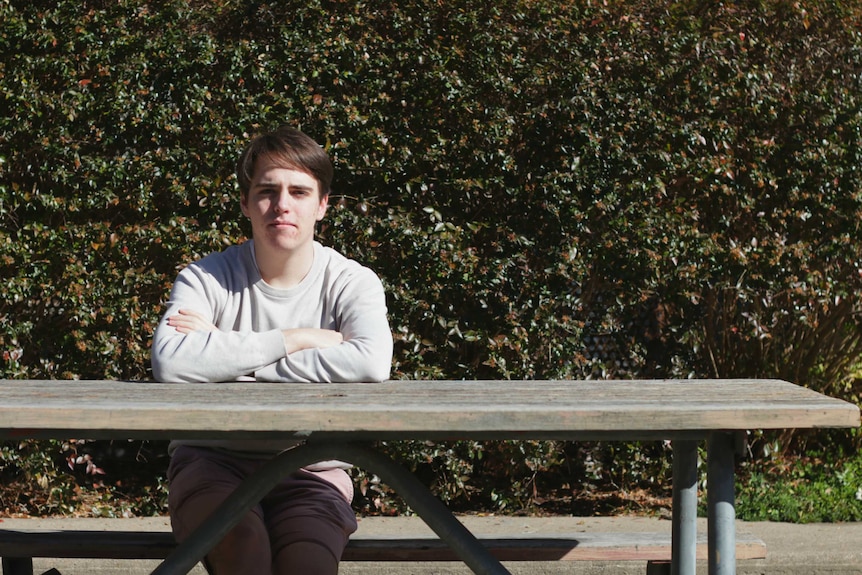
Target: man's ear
column 243, row 204
column 321, row 208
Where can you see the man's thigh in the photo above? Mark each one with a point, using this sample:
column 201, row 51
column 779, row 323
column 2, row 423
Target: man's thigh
column 199, row 480
column 310, row 507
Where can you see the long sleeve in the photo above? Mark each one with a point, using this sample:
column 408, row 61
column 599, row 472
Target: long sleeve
column 337, row 294
column 224, row 355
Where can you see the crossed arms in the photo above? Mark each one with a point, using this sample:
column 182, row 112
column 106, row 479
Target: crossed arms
column 211, row 333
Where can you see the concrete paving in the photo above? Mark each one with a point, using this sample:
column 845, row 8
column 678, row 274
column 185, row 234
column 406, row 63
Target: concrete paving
column 811, row 549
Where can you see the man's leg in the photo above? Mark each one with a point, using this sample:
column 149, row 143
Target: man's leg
column 200, row 480
column 310, row 519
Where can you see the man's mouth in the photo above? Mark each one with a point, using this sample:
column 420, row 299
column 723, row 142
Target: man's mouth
column 282, row 224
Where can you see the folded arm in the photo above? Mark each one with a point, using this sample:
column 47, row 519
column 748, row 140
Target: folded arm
column 363, row 355
column 186, row 321
column 194, row 342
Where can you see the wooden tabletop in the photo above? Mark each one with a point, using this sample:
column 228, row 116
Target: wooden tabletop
column 413, row 409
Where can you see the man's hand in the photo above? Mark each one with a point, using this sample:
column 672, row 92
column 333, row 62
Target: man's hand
column 306, row 338
column 187, row 321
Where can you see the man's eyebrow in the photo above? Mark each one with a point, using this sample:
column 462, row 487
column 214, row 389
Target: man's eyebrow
column 273, row 183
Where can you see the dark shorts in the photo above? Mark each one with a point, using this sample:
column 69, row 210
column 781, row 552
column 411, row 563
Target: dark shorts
column 305, row 507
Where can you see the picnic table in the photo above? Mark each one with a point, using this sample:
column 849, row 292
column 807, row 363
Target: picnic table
column 341, row 421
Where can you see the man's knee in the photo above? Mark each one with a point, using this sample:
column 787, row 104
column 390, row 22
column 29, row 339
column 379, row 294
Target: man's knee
column 245, row 549
column 307, row 557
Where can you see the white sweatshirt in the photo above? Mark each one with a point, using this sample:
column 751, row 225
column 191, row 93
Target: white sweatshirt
column 337, row 293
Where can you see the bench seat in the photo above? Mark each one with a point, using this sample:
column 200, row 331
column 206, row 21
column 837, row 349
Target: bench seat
column 18, row 546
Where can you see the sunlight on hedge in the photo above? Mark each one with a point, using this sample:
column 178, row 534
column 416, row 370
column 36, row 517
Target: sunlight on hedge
column 548, row 190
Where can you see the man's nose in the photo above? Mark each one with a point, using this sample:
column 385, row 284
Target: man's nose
column 282, row 203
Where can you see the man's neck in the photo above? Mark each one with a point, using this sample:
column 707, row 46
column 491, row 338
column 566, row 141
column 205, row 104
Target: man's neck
column 284, row 270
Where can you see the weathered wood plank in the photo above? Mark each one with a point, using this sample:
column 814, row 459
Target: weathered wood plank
column 573, row 547
column 515, row 409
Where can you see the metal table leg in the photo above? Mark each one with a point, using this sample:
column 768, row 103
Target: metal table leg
column 253, row 489
column 684, row 539
column 720, row 504
column 438, row 517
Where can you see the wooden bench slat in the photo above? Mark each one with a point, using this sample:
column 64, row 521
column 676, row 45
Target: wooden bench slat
column 86, row 544
column 573, row 547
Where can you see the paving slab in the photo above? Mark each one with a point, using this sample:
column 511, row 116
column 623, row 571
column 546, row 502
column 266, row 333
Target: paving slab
column 792, row 549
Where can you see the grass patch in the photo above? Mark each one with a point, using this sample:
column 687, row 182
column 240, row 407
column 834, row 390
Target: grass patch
column 801, row 490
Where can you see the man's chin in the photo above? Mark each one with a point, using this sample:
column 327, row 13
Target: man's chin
column 286, row 242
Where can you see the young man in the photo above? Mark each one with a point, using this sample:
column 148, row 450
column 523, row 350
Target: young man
column 279, row 307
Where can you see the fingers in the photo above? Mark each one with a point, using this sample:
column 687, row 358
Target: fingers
column 331, row 338
column 187, row 321
column 297, row 339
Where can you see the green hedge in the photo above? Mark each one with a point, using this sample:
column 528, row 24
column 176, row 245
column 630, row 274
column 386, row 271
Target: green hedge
column 548, row 190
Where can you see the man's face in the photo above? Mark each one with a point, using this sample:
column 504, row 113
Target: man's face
column 283, row 205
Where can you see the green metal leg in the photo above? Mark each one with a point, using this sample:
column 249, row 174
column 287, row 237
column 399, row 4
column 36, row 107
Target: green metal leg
column 253, row 489
column 658, row 568
column 17, row 566
column 720, row 504
column 684, row 539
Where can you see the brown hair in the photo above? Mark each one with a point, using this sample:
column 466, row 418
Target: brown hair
column 288, row 148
